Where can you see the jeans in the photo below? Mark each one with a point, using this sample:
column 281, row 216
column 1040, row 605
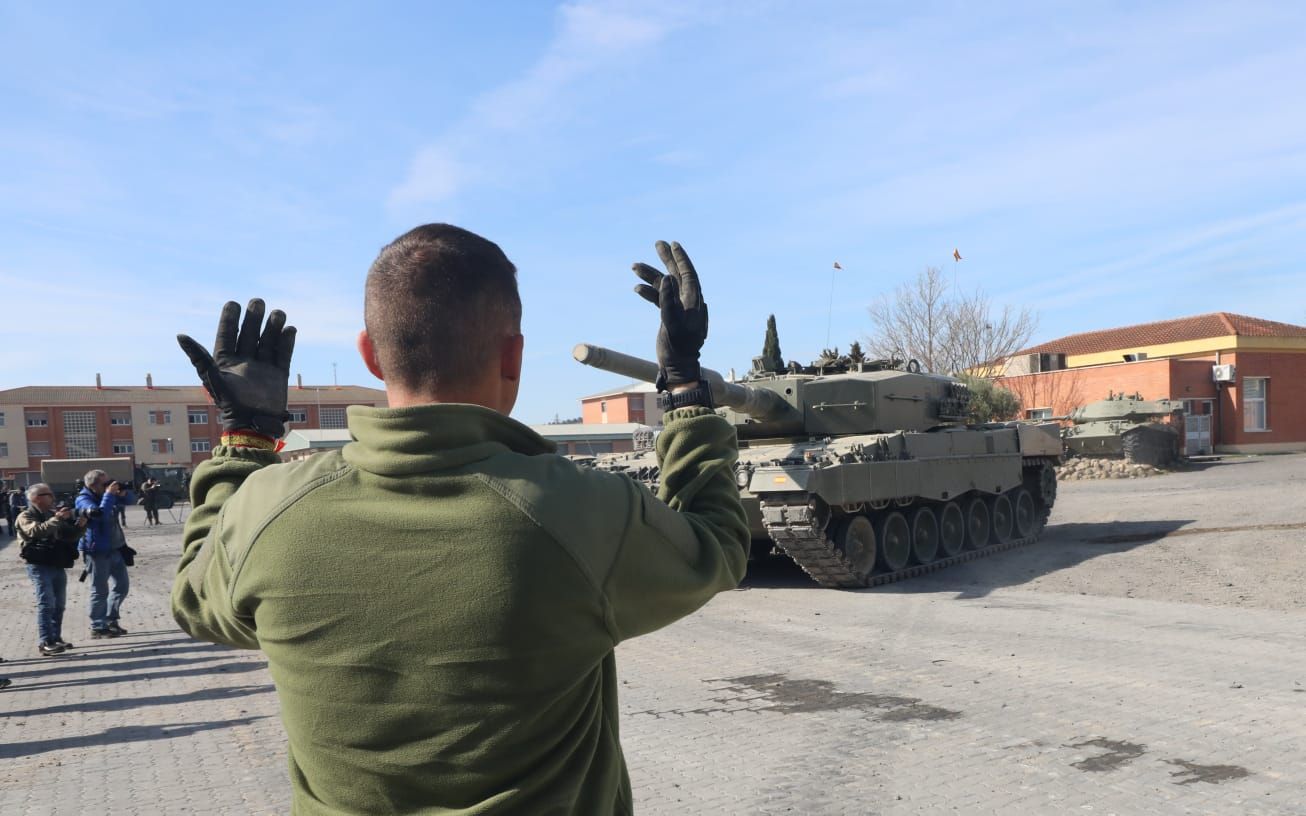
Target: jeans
column 105, row 603
column 51, row 585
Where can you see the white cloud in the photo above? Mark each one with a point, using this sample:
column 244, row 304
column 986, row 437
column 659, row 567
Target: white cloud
column 591, row 36
column 434, row 177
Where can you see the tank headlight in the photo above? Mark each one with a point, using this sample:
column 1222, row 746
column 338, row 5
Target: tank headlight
column 743, row 476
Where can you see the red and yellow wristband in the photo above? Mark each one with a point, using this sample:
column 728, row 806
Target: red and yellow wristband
column 250, row 439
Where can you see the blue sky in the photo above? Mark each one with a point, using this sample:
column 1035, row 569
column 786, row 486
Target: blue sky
column 1100, row 163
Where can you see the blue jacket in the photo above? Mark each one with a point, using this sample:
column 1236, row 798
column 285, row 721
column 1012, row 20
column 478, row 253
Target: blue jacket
column 98, row 538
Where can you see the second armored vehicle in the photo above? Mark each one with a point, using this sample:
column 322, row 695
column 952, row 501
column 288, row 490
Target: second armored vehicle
column 864, row 474
column 1125, row 426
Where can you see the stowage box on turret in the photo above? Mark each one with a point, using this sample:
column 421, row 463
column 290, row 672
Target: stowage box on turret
column 863, row 473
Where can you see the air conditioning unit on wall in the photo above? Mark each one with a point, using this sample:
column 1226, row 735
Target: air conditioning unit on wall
column 1223, row 373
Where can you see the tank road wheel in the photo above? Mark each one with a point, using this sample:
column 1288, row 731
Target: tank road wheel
column 1024, row 515
column 952, row 529
column 924, row 535
column 977, row 524
column 1000, row 516
column 855, row 538
column 894, row 535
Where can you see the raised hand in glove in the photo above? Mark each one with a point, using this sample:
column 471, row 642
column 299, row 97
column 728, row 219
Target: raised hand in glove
column 248, row 373
column 684, row 314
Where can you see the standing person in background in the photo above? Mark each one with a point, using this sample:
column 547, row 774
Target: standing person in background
column 102, row 551
column 49, row 546
column 150, row 500
column 14, row 504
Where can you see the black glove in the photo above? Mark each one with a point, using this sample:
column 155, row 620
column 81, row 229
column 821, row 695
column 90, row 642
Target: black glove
column 684, row 314
column 247, row 375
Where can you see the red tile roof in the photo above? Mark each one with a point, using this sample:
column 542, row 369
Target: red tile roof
column 1179, row 330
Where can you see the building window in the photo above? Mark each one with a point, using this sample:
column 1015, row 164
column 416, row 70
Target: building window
column 1255, row 390
column 37, row 419
column 124, row 448
column 200, row 446
column 38, row 448
column 160, row 417
column 298, row 415
column 160, row 446
column 120, row 418
column 1038, row 413
column 333, row 418
column 79, row 435
column 2, row 419
column 4, row 450
column 197, row 417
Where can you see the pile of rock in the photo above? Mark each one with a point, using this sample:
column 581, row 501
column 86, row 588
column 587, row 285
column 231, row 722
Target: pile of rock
column 1099, row 467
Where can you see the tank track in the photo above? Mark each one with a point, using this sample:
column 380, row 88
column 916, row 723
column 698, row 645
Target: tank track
column 794, row 528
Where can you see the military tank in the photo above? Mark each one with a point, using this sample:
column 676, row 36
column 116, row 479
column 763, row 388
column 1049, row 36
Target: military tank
column 866, row 473
column 1125, row 426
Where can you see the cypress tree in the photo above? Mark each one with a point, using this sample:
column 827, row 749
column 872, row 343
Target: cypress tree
column 772, row 359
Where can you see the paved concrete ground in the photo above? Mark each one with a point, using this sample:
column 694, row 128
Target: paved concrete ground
column 1145, row 657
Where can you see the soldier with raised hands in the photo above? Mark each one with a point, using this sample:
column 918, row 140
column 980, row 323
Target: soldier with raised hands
column 439, row 601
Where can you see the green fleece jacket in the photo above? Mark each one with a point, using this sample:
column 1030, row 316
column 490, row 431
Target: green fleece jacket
column 440, row 600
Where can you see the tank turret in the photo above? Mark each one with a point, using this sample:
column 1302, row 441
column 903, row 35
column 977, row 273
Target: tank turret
column 1130, row 408
column 831, row 397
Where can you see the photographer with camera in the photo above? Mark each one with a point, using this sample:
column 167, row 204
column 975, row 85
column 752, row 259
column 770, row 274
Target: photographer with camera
column 49, row 537
column 150, row 500
column 103, row 548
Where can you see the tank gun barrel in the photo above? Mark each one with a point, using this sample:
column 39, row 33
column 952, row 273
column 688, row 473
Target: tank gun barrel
column 756, row 402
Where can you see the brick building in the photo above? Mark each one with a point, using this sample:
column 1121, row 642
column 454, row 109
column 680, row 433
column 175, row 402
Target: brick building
column 152, row 424
column 635, row 402
column 1242, row 380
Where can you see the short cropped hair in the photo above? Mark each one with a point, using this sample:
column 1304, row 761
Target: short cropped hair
column 438, row 301
column 91, row 476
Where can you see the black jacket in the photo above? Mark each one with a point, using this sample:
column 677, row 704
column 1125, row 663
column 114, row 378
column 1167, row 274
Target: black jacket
column 46, row 539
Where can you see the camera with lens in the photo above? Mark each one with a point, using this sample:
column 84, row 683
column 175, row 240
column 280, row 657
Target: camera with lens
column 91, row 513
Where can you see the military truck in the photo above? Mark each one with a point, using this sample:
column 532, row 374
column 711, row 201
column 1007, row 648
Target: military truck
column 64, row 476
column 173, row 481
column 865, row 473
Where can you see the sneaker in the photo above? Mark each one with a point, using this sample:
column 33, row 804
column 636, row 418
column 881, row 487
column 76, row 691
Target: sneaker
column 100, row 634
column 64, row 644
column 116, row 629
column 50, row 649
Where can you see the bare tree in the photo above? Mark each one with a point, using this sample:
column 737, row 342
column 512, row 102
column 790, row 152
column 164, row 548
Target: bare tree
column 913, row 321
column 946, row 332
